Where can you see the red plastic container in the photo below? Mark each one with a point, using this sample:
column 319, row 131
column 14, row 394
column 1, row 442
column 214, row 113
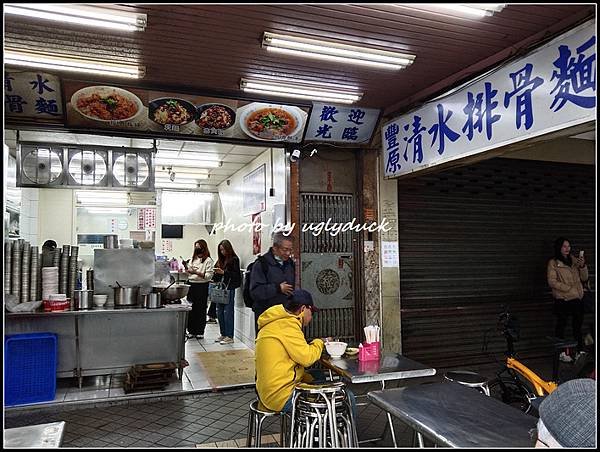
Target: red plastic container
column 369, row 352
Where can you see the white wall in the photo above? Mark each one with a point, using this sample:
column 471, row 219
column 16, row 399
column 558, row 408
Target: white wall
column 56, row 216
column 232, row 204
column 185, row 246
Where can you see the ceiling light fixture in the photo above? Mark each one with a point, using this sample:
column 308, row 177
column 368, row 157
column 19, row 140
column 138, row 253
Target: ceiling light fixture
column 94, row 16
column 307, row 90
column 472, row 9
column 175, row 185
column 337, row 52
column 179, row 177
column 30, row 59
column 162, row 159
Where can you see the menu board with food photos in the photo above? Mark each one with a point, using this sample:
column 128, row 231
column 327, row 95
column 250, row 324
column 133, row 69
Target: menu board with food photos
column 132, row 109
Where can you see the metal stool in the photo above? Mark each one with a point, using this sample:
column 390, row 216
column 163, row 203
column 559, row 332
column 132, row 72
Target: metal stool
column 256, row 417
column 470, row 379
column 322, row 417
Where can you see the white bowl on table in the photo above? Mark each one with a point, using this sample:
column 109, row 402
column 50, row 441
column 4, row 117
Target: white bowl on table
column 100, row 300
column 336, row 349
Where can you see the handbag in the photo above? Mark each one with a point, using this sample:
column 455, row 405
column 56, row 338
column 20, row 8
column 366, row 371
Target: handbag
column 218, row 293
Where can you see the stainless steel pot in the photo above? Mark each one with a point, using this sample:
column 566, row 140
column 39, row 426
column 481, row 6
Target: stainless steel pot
column 83, row 299
column 152, row 301
column 126, row 296
column 111, row 241
column 173, row 292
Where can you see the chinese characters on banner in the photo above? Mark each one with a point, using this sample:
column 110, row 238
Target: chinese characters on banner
column 341, row 124
column 32, row 95
column 549, row 89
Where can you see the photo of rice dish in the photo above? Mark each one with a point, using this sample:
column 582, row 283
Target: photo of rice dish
column 108, row 107
column 172, row 112
column 216, row 116
column 271, row 123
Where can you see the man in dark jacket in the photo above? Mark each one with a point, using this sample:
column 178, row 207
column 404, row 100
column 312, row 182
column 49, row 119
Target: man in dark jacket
column 277, row 284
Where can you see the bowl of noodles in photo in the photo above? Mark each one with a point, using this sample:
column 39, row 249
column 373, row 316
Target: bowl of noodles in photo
column 215, row 116
column 107, row 104
column 271, row 122
column 172, row 111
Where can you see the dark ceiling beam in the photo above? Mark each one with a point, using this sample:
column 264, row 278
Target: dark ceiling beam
column 460, row 77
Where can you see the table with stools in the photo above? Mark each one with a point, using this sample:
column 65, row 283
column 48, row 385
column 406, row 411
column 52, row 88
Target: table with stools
column 454, row 415
column 389, row 367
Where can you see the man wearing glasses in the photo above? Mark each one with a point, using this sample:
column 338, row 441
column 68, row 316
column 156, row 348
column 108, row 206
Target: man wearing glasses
column 273, row 283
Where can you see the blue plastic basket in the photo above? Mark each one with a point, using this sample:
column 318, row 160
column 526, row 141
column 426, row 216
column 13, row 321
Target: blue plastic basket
column 29, row 368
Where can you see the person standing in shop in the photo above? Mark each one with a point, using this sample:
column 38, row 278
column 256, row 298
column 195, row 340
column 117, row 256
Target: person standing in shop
column 200, row 269
column 566, row 273
column 274, row 286
column 227, row 269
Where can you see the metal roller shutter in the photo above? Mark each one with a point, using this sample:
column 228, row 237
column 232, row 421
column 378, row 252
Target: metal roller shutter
column 476, row 237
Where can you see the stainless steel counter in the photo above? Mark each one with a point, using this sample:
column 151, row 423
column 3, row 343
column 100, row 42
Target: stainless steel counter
column 105, row 340
column 35, row 436
column 102, row 310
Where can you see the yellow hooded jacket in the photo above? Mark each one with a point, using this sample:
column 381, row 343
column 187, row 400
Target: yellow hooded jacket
column 282, row 353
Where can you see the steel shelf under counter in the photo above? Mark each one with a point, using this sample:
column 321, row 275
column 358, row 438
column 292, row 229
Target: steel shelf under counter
column 104, row 340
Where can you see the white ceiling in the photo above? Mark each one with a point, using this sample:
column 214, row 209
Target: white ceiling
column 233, row 157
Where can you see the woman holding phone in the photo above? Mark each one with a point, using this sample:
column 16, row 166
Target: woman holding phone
column 200, row 269
column 566, row 275
column 227, row 269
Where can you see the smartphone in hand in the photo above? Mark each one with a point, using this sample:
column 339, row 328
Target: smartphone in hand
column 580, row 254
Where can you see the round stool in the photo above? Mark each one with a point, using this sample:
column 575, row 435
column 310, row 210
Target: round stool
column 256, row 417
column 470, row 379
column 322, row 417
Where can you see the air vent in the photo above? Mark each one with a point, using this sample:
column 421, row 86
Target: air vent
column 40, row 166
column 63, row 166
column 131, row 170
column 88, row 168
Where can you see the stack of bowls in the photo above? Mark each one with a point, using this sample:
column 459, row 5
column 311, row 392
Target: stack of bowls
column 34, row 274
column 25, row 272
column 49, row 282
column 16, row 270
column 63, row 280
column 72, row 271
column 7, row 265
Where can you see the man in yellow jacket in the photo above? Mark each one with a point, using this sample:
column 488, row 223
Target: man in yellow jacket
column 282, row 352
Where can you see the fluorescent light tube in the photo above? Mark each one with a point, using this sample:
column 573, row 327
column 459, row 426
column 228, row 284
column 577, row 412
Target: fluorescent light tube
column 94, row 16
column 123, row 210
column 180, row 177
column 343, row 53
column 471, row 9
column 174, row 185
column 27, row 59
column 306, row 91
column 168, row 161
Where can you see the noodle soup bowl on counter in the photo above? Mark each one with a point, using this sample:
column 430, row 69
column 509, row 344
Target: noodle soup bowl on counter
column 107, row 104
column 271, row 122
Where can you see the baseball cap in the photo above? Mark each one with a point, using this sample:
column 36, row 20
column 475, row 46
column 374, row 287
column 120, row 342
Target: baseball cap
column 569, row 413
column 304, row 297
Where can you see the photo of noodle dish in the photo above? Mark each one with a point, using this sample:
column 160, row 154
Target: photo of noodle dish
column 106, row 104
column 271, row 122
column 170, row 110
column 215, row 116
